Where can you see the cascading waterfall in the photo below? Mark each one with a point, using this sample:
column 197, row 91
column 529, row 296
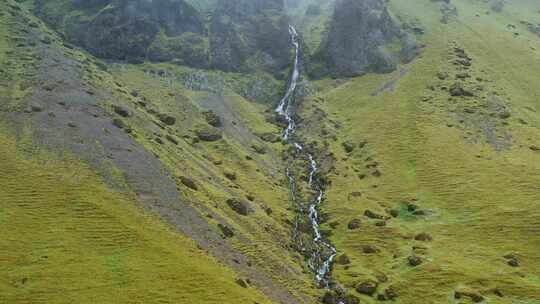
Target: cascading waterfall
column 319, row 262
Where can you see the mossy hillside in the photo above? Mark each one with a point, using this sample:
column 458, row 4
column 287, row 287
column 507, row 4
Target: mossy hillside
column 479, row 202
column 69, row 238
column 262, row 235
column 16, row 57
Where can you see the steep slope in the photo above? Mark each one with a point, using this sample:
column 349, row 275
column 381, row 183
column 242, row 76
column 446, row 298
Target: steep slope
column 191, row 153
column 432, row 170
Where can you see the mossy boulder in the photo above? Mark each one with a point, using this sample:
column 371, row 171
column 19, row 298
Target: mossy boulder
column 208, row 134
column 212, row 118
column 368, row 287
column 239, row 206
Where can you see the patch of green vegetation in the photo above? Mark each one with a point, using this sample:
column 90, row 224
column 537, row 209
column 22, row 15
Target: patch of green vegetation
column 479, row 202
column 69, row 238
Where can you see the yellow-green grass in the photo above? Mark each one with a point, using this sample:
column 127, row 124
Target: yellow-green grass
column 482, row 204
column 68, row 238
column 207, row 162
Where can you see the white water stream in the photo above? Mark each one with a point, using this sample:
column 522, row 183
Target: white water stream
column 319, row 263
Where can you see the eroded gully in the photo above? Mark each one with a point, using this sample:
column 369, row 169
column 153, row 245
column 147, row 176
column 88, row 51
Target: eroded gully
column 320, row 252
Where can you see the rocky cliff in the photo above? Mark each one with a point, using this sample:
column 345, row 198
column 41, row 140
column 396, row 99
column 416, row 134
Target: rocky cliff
column 162, row 30
column 250, row 35
column 362, row 37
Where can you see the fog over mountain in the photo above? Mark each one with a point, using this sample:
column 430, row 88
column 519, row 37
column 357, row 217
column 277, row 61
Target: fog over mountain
column 270, row 151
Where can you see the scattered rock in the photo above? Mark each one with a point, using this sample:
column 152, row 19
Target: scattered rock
column 212, row 118
column 354, row 224
column 369, row 249
column 330, row 298
column 367, row 288
column 393, row 212
column 370, row 214
column 121, row 111
column 167, row 119
column 343, row 259
column 209, row 134
column 269, row 137
column 380, row 223
column 442, row 75
column 172, row 139
column 424, row 237
column 71, row 124
column 117, row 122
column 36, row 108
column 535, row 148
column 474, row 296
column 389, row 294
column 258, row 148
column 242, row 283
column 227, row 232
column 230, row 175
column 348, row 146
column 238, row 206
column 457, row 89
column 188, row 182
column 505, row 114
column 414, row 260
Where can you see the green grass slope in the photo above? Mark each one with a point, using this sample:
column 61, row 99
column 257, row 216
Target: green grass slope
column 233, row 167
column 68, row 238
column 469, row 164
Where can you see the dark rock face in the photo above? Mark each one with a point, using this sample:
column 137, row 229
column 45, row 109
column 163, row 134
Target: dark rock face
column 126, row 29
column 249, row 34
column 357, row 36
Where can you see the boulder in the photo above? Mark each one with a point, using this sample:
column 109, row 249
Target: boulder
column 414, row 260
column 270, row 137
column 372, row 215
column 188, row 182
column 466, row 293
column 208, row 134
column 354, row 224
column 424, row 237
column 230, row 175
column 212, row 118
column 458, row 90
column 238, row 206
column 368, row 287
column 343, row 259
column 117, row 122
column 227, row 232
column 242, row 283
column 348, row 146
column 167, row 119
column 121, row 111
column 369, row 249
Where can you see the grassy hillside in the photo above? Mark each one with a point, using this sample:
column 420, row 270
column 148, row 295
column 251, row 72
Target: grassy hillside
column 141, row 128
column 461, row 170
column 68, row 238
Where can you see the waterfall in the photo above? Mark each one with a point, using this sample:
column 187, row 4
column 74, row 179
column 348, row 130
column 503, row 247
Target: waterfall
column 319, row 263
